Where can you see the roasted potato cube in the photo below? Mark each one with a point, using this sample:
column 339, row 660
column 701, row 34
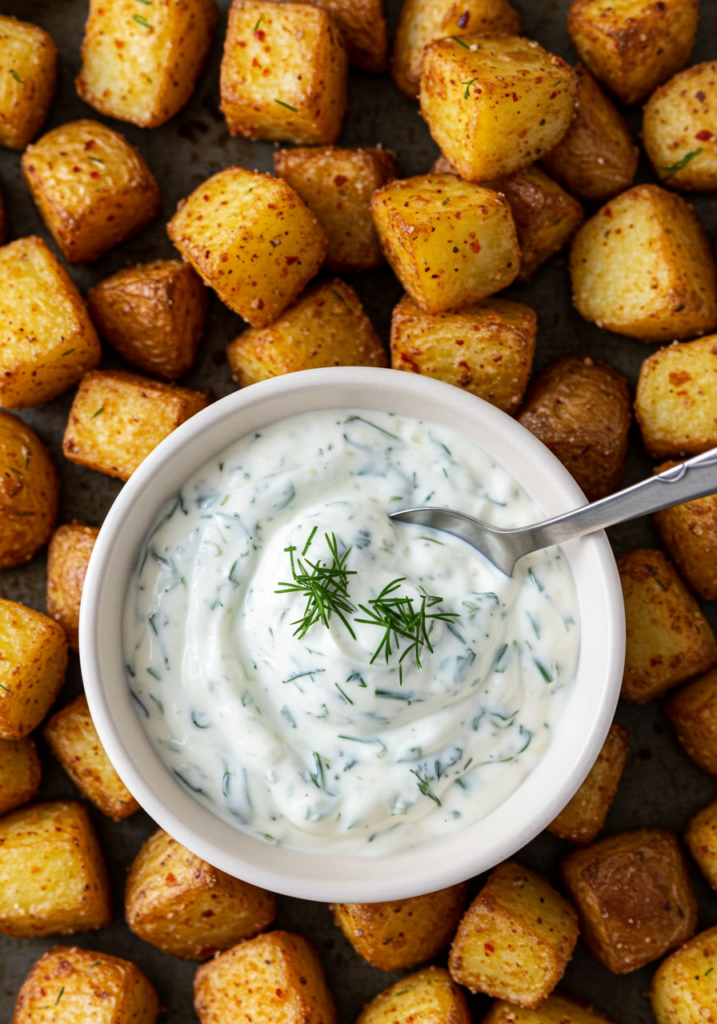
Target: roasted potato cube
column 53, row 879
column 486, row 348
column 67, row 559
column 33, row 660
column 29, row 489
column 494, row 104
column 642, row 266
column 80, row 985
column 143, row 69
column 91, row 187
column 678, row 129
column 117, row 418
column 428, row 996
column 701, row 840
column 284, row 72
column 633, row 45
column 582, row 818
column 363, row 26
column 72, row 738
column 185, row 907
column 597, row 156
column 515, row 939
column 684, row 987
column 693, row 713
column 423, row 21
column 450, row 243
column 689, row 532
column 276, row 976
column 47, row 340
column 580, row 408
column 557, row 1009
column 153, row 314
column 251, row 239
column 20, row 773
column 337, row 185
column 28, row 69
column 326, row 326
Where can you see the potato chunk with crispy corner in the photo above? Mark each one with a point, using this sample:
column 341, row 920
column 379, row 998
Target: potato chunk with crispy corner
column 53, row 878
column 153, row 314
column 20, row 773
column 142, row 68
column 684, row 987
column 701, row 839
column 67, row 559
column 284, row 72
column 557, row 1009
column 426, row 997
column 642, row 266
column 75, row 986
column 580, row 408
column 363, row 26
column 33, row 660
column 494, row 104
column 515, row 939
column 276, row 976
column 693, row 713
column 185, row 907
column 91, row 187
column 251, row 239
column 29, row 489
column 337, row 185
column 689, row 532
column 28, row 70
column 678, row 129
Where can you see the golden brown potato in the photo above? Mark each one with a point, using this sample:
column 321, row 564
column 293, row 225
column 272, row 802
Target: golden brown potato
column 580, row 408
column 486, row 348
column 515, row 939
column 185, row 907
column 693, row 713
column 684, row 987
column 33, row 660
column 53, row 879
column 67, row 559
column 678, row 129
column 363, row 26
column 85, row 986
column 29, row 489
column 597, row 157
column 642, row 266
column 117, row 418
column 450, row 243
column 91, row 187
column 426, row 997
column 3, row 221
column 633, row 45
column 142, row 67
column 701, row 840
column 276, row 976
column 423, row 21
column 284, row 72
column 47, row 340
column 153, row 314
column 494, row 104
column 28, row 69
column 337, row 185
column 557, row 1009
column 20, row 773
column 689, row 532
column 582, row 818
column 326, row 326
column 251, row 239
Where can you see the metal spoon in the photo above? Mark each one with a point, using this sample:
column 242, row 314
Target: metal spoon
column 692, row 479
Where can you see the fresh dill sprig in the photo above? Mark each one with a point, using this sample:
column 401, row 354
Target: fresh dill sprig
column 398, row 618
column 424, row 784
column 325, row 586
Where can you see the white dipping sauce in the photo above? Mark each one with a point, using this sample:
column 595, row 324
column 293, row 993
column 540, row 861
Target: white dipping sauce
column 302, row 740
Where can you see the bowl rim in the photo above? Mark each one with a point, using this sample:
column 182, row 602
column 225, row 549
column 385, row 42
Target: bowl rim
column 335, row 877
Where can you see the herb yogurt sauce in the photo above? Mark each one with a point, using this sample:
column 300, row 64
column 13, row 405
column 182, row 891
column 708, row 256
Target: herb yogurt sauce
column 319, row 737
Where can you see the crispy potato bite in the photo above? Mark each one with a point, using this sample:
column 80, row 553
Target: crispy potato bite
column 450, row 243
column 75, row 986
column 689, row 532
column 486, row 348
column 277, row 976
column 580, row 408
column 33, row 660
column 337, row 185
column 73, row 740
column 28, row 70
column 29, row 489
column 494, row 104
column 557, row 1009
column 678, row 129
column 701, row 840
column 117, row 418
column 427, row 997
column 91, row 187
column 363, row 26
column 185, row 907
column 515, row 939
column 53, row 879
column 20, row 773
column 153, row 314
column 251, row 239
column 67, row 559
column 684, row 987
column 642, row 266
column 47, row 340
column 143, row 67
column 326, row 326
column 693, row 713
column 633, row 45
column 284, row 72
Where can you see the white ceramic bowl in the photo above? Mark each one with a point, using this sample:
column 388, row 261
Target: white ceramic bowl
column 430, row 866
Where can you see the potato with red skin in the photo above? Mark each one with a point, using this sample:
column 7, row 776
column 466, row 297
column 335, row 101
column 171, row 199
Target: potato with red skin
column 29, row 491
